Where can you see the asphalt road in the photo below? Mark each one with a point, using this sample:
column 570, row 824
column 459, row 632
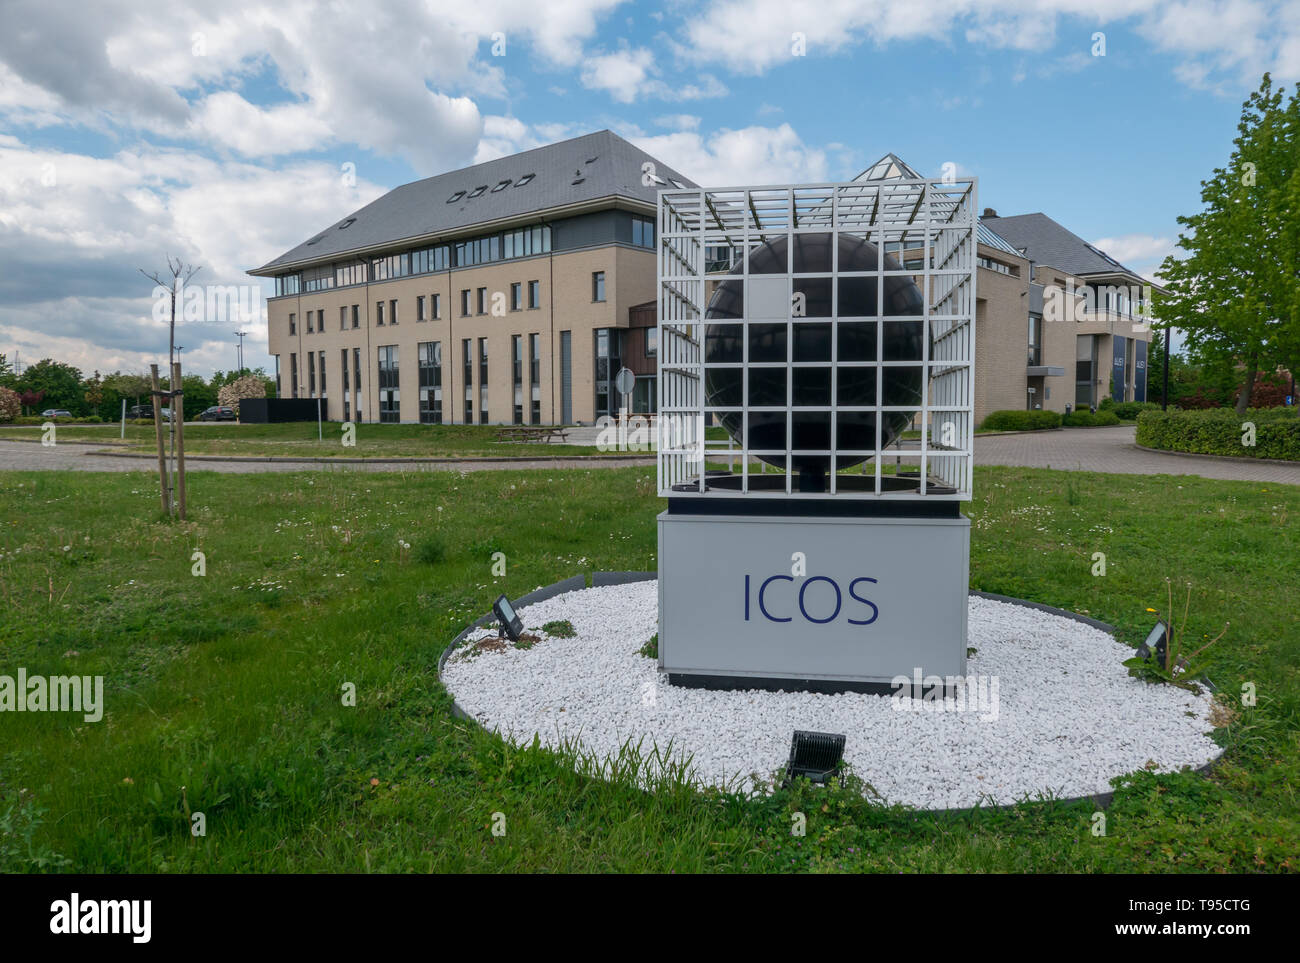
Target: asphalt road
column 1109, row 450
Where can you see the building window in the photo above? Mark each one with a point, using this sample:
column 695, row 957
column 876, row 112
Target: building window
column 390, row 396
column 516, row 296
column 566, row 377
column 393, row 266
column 356, row 382
column 347, row 398
column 318, row 278
column 343, row 318
column 482, row 300
column 431, row 382
column 482, row 381
column 286, row 284
column 320, row 321
column 464, row 303
column 651, row 342
column 356, row 316
column 608, row 363
column 293, row 374
column 535, row 378
column 311, row 374
column 517, row 374
column 309, row 321
column 437, row 306
column 598, row 286
column 379, row 313
column 430, row 259
column 643, row 232
column 467, row 356
column 419, row 308
column 293, row 323
column 392, row 312
column 1035, row 339
column 534, row 294
column 322, row 374
column 1085, row 371
column 347, row 274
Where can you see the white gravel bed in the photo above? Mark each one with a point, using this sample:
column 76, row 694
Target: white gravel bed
column 1069, row 717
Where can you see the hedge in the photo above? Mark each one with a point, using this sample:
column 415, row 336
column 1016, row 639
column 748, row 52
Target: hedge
column 1221, row 431
column 1088, row 419
column 1014, row 420
column 1129, row 410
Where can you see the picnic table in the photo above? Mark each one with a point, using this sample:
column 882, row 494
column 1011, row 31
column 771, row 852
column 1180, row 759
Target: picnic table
column 532, row 434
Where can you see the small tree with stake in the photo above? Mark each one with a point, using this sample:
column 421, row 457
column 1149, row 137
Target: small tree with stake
column 173, row 280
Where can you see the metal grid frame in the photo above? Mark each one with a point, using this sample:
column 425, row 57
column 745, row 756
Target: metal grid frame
column 938, row 213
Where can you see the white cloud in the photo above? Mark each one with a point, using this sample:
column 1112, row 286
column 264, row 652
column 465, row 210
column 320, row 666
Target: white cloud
column 75, row 230
column 753, row 155
column 1240, row 37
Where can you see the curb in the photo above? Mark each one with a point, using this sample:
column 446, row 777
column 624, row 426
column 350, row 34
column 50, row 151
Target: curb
column 1230, row 459
column 282, row 459
column 1027, row 431
column 1101, row 800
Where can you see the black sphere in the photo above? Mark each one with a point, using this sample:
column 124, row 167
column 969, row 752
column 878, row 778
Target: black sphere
column 902, row 341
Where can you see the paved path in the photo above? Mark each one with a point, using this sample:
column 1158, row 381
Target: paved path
column 1109, row 450
column 75, row 456
column 1112, row 450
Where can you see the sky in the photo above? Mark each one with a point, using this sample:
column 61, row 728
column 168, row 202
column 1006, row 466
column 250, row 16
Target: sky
column 228, row 132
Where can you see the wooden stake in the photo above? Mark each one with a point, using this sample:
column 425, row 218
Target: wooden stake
column 158, row 435
column 178, row 405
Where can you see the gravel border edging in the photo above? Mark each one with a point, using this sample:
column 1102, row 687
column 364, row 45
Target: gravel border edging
column 1100, row 800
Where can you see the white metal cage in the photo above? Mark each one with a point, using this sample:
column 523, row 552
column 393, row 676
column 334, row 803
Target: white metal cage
column 748, row 243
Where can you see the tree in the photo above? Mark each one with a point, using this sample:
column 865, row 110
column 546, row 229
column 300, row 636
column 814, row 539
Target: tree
column 249, row 386
column 1235, row 294
column 173, row 281
column 11, row 405
column 58, row 384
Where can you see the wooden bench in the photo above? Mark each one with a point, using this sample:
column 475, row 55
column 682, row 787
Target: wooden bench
column 531, row 434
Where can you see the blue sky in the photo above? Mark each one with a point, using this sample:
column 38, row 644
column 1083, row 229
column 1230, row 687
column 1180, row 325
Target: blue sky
column 224, row 131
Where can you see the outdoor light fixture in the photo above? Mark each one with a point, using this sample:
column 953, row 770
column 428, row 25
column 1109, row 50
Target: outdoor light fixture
column 505, row 613
column 815, row 756
column 1157, row 641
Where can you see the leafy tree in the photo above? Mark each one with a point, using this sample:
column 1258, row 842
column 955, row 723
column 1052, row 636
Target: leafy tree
column 59, row 384
column 1236, row 294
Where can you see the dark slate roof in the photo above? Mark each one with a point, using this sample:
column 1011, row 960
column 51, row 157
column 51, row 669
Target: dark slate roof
column 586, row 168
column 1043, row 240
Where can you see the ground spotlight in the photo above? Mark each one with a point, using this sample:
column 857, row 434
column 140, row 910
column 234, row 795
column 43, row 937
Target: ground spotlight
column 505, row 613
column 1157, row 641
column 816, row 756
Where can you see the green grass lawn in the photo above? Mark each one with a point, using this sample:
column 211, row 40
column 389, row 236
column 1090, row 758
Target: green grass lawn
column 300, row 439
column 224, row 692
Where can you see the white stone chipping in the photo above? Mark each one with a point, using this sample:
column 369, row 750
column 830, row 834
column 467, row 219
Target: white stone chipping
column 1069, row 717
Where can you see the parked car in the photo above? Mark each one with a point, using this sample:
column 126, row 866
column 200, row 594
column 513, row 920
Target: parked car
column 218, row 413
column 140, row 411
column 56, row 413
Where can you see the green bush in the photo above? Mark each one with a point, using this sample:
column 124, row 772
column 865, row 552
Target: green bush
column 1087, row 419
column 1129, row 410
column 1012, row 420
column 1107, row 404
column 1221, row 431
